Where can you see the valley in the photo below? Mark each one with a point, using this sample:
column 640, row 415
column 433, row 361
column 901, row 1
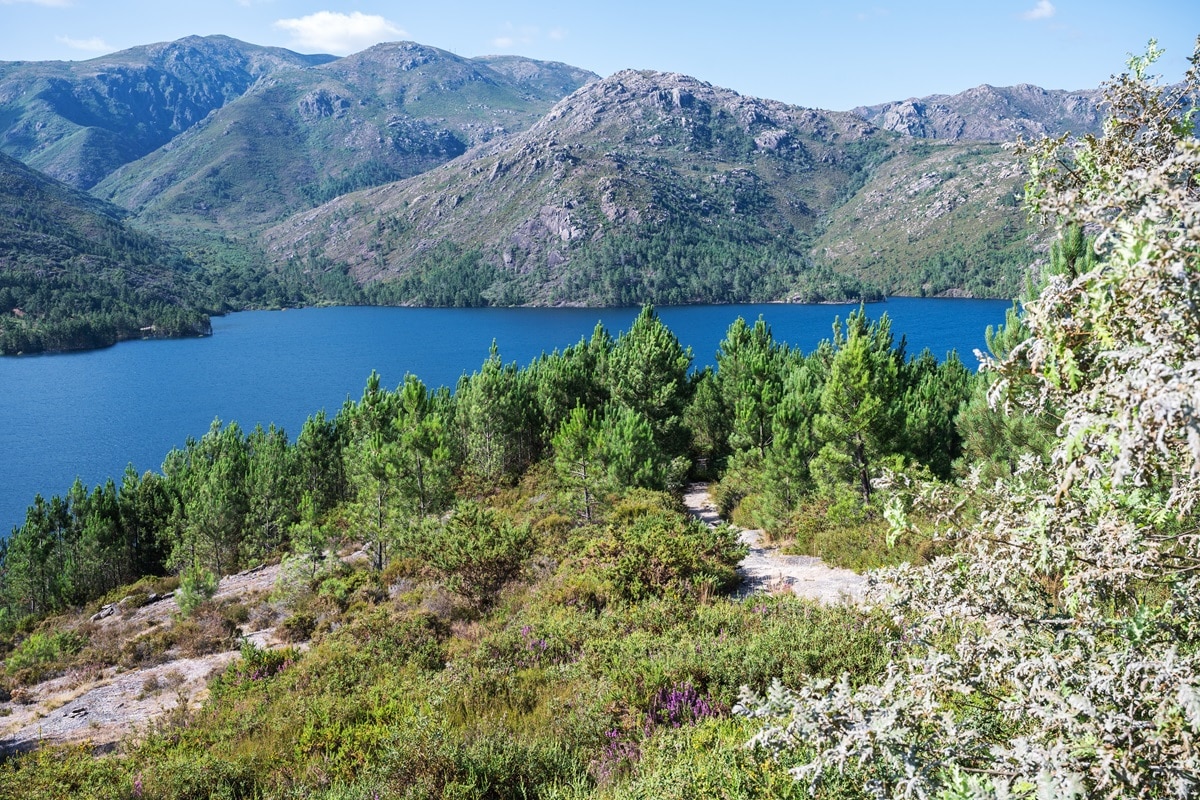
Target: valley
column 407, row 175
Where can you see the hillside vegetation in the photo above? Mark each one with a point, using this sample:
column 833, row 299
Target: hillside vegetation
column 494, row 592
column 520, row 540
column 648, row 187
column 74, row 276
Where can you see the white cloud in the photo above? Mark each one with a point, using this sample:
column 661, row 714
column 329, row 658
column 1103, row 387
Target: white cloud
column 340, row 34
column 1043, row 10
column 92, row 45
column 524, row 35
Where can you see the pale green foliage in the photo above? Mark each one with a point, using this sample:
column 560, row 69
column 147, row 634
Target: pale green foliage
column 609, row 452
column 476, row 551
column 577, row 459
column 197, row 585
column 1054, row 647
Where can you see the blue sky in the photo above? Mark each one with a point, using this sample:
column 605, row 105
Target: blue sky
column 835, row 54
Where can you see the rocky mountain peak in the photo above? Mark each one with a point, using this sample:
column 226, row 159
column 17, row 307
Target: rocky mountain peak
column 989, row 114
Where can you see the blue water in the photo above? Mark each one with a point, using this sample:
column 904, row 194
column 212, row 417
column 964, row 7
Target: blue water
column 90, row 414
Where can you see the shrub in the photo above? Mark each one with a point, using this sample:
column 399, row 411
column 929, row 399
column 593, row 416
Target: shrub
column 255, row 664
column 35, row 657
column 299, row 627
column 477, row 551
column 663, row 553
column 348, row 588
column 197, row 585
column 206, row 631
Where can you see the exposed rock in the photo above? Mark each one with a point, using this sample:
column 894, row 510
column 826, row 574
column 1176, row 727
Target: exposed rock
column 772, row 139
column 322, row 103
column 991, row 114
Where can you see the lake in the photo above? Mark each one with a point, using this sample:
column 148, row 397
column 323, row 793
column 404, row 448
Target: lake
column 89, row 414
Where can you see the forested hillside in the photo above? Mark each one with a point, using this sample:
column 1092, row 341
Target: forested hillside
column 73, row 275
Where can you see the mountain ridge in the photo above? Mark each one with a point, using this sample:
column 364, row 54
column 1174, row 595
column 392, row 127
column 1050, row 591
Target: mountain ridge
column 293, row 140
column 649, row 155
column 990, row 113
column 408, row 174
column 79, row 120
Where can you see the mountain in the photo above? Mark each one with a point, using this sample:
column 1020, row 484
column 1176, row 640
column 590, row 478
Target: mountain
column 407, row 174
column 646, row 187
column 73, row 275
column 935, row 219
column 990, row 114
column 300, row 137
column 79, row 121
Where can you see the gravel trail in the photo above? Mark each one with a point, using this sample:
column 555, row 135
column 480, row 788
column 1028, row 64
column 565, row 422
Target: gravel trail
column 764, row 569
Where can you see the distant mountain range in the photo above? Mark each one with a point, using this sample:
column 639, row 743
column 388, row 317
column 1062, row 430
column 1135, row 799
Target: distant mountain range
column 407, row 174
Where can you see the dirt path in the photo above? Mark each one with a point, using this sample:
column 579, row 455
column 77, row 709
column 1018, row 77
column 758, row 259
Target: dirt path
column 764, row 569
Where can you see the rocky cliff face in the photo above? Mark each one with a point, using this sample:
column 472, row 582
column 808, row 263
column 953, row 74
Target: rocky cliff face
column 990, row 114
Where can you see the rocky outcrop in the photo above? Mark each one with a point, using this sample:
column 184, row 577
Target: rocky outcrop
column 990, row 114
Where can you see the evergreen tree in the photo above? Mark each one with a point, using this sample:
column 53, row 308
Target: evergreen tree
column 785, row 476
column 573, row 378
column 273, row 491
column 928, row 410
column 498, row 420
column 630, row 453
column 647, row 373
column 372, row 474
column 750, row 372
column 207, row 480
column 319, row 464
column 857, row 423
column 145, row 508
column 707, row 419
column 424, row 465
column 578, row 459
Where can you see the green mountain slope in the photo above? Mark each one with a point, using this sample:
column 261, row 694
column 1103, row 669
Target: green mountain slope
column 642, row 187
column 79, row 121
column 301, row 137
column 935, row 219
column 73, row 276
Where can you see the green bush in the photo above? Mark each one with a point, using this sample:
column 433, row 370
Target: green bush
column 197, row 585
column 656, row 553
column 477, row 551
column 299, row 627
column 35, row 657
column 851, row 541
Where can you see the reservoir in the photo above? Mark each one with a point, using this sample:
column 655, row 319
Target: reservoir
column 89, row 414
